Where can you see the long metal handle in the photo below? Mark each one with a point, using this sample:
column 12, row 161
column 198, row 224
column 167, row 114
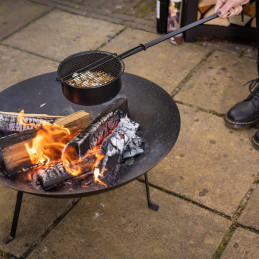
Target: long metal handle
column 165, row 37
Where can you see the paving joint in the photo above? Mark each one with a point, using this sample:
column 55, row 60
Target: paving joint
column 188, row 200
column 191, row 73
column 27, row 24
column 29, row 52
column 212, row 112
column 49, row 229
column 223, row 244
column 112, row 38
column 237, row 213
column 246, row 198
column 97, row 13
column 254, row 230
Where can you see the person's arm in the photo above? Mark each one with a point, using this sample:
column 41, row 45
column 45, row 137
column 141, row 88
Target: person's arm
column 228, row 8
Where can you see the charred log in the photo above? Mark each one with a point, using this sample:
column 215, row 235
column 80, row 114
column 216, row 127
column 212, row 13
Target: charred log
column 14, row 156
column 101, row 127
column 9, row 121
column 49, row 177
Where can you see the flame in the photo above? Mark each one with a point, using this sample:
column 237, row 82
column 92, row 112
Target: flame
column 96, row 176
column 46, row 148
column 70, row 160
column 50, row 139
column 22, row 122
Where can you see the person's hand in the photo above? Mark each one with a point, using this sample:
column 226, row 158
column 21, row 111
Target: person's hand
column 228, row 8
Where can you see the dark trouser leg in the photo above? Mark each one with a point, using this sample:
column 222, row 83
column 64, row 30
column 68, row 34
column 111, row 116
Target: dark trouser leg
column 257, row 32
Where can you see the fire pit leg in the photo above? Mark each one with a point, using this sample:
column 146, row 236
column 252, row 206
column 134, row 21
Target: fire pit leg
column 151, row 205
column 15, row 218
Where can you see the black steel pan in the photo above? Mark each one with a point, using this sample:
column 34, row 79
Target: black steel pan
column 149, row 105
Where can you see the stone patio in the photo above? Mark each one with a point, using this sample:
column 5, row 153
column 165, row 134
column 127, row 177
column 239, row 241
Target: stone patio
column 206, row 187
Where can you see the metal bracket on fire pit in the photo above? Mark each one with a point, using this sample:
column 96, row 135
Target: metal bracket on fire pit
column 151, row 205
column 16, row 214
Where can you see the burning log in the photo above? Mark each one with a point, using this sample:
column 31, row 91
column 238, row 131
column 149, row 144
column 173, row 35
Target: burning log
column 14, row 156
column 101, row 127
column 49, row 177
column 9, row 121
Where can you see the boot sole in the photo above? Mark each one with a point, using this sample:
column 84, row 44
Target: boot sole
column 239, row 125
column 255, row 143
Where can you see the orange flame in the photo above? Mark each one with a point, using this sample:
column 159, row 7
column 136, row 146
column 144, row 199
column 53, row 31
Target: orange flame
column 96, row 176
column 49, row 141
column 47, row 148
column 22, row 122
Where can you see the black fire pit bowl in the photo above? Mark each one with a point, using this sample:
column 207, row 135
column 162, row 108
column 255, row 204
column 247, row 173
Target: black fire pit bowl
column 91, row 61
column 149, row 105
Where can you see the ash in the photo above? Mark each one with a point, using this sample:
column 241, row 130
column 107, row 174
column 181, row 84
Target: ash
column 122, row 143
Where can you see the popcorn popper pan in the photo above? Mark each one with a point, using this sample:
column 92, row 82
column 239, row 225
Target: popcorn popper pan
column 94, row 77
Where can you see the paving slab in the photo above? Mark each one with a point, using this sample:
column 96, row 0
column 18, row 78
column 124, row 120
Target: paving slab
column 37, row 214
column 250, row 216
column 218, row 84
column 118, row 224
column 164, row 64
column 210, row 163
column 14, row 14
column 60, row 34
column 17, row 65
column 243, row 244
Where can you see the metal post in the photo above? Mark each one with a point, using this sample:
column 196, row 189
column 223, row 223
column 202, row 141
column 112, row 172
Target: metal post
column 15, row 218
column 151, row 205
column 190, row 10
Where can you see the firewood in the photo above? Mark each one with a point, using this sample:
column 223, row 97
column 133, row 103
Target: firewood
column 14, row 156
column 9, row 121
column 49, row 177
column 101, row 127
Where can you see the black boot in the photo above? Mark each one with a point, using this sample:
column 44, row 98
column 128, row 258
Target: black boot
column 255, row 139
column 245, row 113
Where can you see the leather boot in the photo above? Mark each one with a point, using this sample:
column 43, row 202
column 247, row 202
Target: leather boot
column 245, row 113
column 255, row 139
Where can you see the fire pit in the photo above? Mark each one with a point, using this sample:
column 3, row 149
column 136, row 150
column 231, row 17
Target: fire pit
column 149, row 105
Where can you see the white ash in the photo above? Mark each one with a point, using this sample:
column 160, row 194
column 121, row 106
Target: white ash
column 133, row 148
column 123, row 139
